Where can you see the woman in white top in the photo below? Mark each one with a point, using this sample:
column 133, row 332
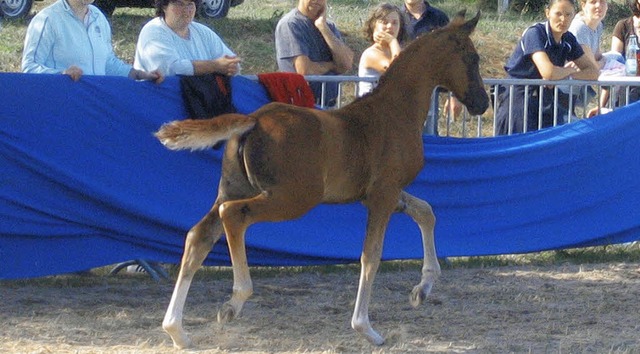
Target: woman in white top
column 587, row 27
column 176, row 45
column 386, row 30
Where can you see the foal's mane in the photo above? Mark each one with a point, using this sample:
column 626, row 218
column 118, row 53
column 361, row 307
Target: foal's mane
column 444, row 37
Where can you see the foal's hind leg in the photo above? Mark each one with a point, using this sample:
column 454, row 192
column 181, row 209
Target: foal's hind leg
column 199, row 242
column 421, row 212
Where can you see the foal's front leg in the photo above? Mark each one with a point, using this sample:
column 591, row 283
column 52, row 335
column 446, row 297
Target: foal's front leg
column 421, row 212
column 378, row 219
column 198, row 244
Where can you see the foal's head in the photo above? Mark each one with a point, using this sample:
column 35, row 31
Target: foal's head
column 461, row 74
column 448, row 58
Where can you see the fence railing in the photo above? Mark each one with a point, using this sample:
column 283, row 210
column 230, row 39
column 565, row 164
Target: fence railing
column 443, row 122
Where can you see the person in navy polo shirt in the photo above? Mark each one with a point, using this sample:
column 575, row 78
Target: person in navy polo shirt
column 547, row 50
column 422, row 17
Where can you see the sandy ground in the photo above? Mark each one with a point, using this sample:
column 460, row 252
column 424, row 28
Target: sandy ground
column 554, row 309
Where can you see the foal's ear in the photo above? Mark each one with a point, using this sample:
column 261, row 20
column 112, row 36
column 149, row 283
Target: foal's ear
column 470, row 25
column 460, row 15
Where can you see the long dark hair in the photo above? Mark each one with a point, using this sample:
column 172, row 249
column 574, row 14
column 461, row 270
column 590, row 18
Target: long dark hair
column 633, row 7
column 379, row 13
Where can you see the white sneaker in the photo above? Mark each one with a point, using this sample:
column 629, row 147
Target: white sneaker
column 136, row 269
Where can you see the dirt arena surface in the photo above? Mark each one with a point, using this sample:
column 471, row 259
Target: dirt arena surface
column 516, row 309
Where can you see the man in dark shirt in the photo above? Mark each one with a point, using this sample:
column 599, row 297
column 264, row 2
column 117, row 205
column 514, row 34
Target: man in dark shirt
column 423, row 18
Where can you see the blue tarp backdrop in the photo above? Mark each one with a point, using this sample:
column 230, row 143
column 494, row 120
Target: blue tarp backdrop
column 84, row 183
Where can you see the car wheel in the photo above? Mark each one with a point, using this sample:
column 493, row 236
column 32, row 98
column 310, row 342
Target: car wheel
column 15, row 8
column 106, row 6
column 215, row 8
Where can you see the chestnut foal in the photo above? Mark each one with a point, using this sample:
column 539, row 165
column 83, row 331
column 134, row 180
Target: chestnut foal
column 282, row 160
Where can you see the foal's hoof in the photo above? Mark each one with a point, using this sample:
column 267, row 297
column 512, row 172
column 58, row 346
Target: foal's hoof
column 376, row 341
column 365, row 330
column 373, row 337
column 226, row 313
column 183, row 343
column 418, row 295
column 179, row 338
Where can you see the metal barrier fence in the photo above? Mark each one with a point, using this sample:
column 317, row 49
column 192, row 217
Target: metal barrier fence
column 580, row 98
column 440, row 121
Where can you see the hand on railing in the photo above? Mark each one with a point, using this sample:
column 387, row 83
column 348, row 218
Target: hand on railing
column 453, row 107
column 594, row 111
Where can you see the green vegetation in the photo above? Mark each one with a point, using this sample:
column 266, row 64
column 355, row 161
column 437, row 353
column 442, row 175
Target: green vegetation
column 248, row 30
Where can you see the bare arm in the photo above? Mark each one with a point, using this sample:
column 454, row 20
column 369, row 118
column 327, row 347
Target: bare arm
column 617, row 45
column 374, row 59
column 304, row 66
column 582, row 68
column 377, row 60
column 547, row 70
column 604, row 98
column 155, row 75
column 342, row 54
column 597, row 58
column 226, row 65
column 587, row 69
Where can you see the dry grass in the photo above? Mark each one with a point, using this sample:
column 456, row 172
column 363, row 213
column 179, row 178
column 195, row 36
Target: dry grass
column 552, row 309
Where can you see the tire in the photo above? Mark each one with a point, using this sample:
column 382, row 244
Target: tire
column 215, row 8
column 15, row 8
column 106, row 6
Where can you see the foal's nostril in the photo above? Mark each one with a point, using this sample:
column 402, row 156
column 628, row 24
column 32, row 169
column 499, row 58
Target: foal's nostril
column 477, row 103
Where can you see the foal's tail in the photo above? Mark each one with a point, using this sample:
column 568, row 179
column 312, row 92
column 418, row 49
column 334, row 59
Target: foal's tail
column 203, row 133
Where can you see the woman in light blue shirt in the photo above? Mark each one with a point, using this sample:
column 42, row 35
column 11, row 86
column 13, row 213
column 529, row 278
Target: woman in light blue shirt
column 176, row 45
column 588, row 27
column 73, row 37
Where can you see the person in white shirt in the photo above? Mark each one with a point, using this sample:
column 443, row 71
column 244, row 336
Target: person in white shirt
column 174, row 44
column 73, row 37
column 588, row 27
